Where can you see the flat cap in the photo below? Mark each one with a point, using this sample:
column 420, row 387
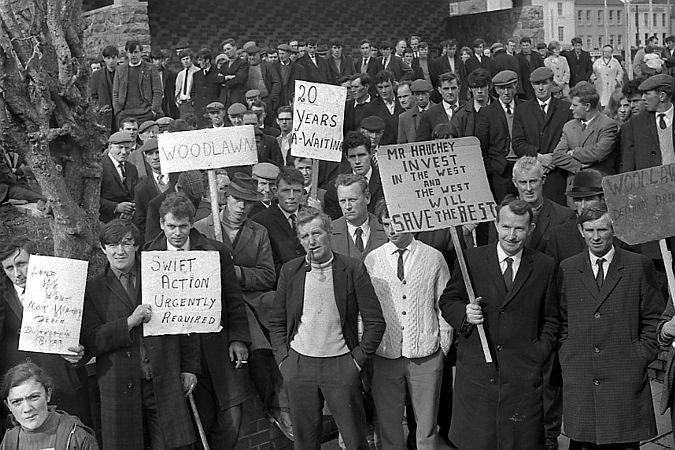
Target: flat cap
column 421, row 86
column 164, row 122
column 221, row 57
column 215, row 106
column 235, row 109
column 121, row 137
column 655, row 82
column 541, row 74
column 496, row 46
column 505, row 77
column 284, row 47
column 372, row 123
column 252, row 93
column 147, row 124
column 252, row 49
column 266, row 171
column 149, row 145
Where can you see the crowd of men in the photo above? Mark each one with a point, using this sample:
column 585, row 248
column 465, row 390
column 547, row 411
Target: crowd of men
column 325, row 302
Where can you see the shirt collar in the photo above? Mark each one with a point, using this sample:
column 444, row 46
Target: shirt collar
column 512, row 104
column 392, row 249
column 135, row 65
column 287, row 214
column 546, row 103
column 587, row 122
column 185, row 246
column 115, row 162
column 367, row 100
column 365, row 226
column 369, row 174
column 609, row 256
column 668, row 113
column 501, row 255
column 19, row 290
column 118, row 273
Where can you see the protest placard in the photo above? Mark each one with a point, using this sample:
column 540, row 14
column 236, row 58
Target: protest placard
column 642, row 203
column 318, row 119
column 52, row 306
column 435, row 184
column 210, row 148
column 183, row 290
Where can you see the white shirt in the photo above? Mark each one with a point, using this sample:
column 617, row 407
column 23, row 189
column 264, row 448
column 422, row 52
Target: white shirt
column 367, row 100
column 586, row 123
column 288, row 215
column 160, row 177
column 512, row 105
column 185, row 247
column 367, row 175
column 668, row 117
column 609, row 256
column 392, row 255
column 365, row 227
column 390, row 106
column 545, row 104
column 515, row 264
column 116, row 163
column 20, row 292
column 448, row 109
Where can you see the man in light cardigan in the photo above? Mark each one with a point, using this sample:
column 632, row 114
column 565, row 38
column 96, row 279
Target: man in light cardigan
column 409, row 277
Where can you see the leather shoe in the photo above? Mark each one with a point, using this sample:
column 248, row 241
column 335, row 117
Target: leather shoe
column 551, row 444
column 282, row 421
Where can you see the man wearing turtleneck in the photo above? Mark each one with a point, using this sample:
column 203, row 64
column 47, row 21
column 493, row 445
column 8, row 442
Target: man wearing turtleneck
column 314, row 334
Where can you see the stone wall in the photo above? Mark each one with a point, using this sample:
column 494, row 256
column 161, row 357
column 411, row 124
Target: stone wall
column 114, row 25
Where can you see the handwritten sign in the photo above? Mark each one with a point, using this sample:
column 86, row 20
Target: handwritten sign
column 210, row 148
column 317, row 122
column 435, row 184
column 642, row 203
column 183, row 289
column 53, row 302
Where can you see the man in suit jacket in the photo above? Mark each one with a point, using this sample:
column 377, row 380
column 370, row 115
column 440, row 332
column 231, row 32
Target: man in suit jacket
column 316, row 343
column 118, row 180
column 168, row 79
column 537, row 126
column 529, row 60
column 358, row 152
column 579, row 60
column 478, row 59
column 494, row 130
column 441, row 112
column 206, row 87
column 355, row 109
column 222, row 385
column 316, row 67
column 357, row 232
column 668, row 55
column 263, row 76
column 409, row 120
column 385, row 107
column 368, row 64
column 129, row 365
column 280, row 219
column 339, row 65
column 235, row 75
column 463, row 122
column 517, row 306
column 72, row 395
column 393, row 63
column 144, row 103
column 289, row 71
column 610, row 304
column 448, row 61
column 101, row 85
column 589, row 140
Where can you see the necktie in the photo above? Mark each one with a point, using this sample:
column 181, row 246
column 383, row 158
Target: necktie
column 399, row 266
column 364, row 66
column 508, row 109
column 662, row 121
column 358, row 241
column 160, row 181
column 293, row 223
column 600, row 276
column 508, row 274
column 185, row 83
column 543, row 109
column 124, row 173
column 584, row 125
column 127, row 284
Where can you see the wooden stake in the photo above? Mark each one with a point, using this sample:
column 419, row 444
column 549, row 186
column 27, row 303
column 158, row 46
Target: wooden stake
column 469, row 291
column 215, row 213
column 200, row 427
column 315, row 179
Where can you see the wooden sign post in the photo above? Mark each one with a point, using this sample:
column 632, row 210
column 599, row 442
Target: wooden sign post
column 642, row 207
column 434, row 185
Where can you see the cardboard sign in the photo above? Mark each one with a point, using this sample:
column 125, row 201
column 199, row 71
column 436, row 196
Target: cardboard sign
column 210, row 148
column 435, row 184
column 183, row 289
column 642, row 203
column 52, row 306
column 317, row 121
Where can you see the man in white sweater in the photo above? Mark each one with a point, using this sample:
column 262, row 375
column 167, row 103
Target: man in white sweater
column 409, row 277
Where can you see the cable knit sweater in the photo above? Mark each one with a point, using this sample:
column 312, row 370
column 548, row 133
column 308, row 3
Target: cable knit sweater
column 415, row 327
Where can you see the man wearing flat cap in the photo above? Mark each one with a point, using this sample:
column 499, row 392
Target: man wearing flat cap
column 373, row 128
column 503, row 61
column 493, row 129
column 148, row 129
column 410, row 119
column 215, row 111
column 235, row 74
column 316, row 68
column 289, row 71
column 264, row 77
column 118, row 180
column 537, row 127
column 265, row 174
column 235, row 114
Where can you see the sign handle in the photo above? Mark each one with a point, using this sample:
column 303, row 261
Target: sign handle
column 200, row 427
column 215, row 213
column 315, row 179
column 469, row 291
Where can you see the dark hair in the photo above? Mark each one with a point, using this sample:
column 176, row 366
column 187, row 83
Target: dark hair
column 447, row 76
column 284, row 109
column 312, row 41
column 381, row 210
column 386, row 45
column 307, row 214
column 383, row 76
column 576, row 40
column 423, row 45
column 205, row 53
column 592, row 212
column 478, row 42
column 364, row 78
column 479, row 78
column 158, row 54
column 451, row 42
column 114, row 231
column 130, row 46
column 525, row 40
column 110, row 51
column 290, row 175
column 355, row 139
column 517, row 206
column 179, row 205
column 228, row 41
column 408, row 50
column 607, row 45
column 347, row 179
column 259, row 104
column 184, row 53
column 442, row 131
column 670, row 39
column 23, row 372
column 8, row 246
column 128, row 120
column 630, row 89
column 364, row 41
column 587, row 94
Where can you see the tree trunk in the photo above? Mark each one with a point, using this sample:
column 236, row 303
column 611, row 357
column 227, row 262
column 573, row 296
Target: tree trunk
column 46, row 116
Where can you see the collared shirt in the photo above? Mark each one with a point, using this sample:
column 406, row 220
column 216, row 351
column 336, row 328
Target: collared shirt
column 287, row 215
column 609, row 256
column 478, row 107
column 160, row 178
column 392, row 255
column 545, row 104
column 512, row 105
column 132, row 274
column 116, row 163
column 668, row 117
column 420, row 109
column 365, row 227
column 586, row 123
column 390, row 106
column 20, row 292
column 385, row 62
column 367, row 100
column 368, row 174
column 449, row 111
column 135, row 65
column 515, row 264
column 185, row 246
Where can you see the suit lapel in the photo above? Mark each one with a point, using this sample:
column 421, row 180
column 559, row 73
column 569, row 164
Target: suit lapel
column 543, row 222
column 115, row 173
column 587, row 278
column 651, row 124
column 339, row 287
column 341, row 235
column 495, row 272
column 376, row 239
column 524, row 271
column 116, row 287
column 245, row 237
column 614, row 273
column 13, row 301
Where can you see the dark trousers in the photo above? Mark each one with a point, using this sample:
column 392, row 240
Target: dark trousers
column 267, row 379
column 221, row 426
column 140, row 118
column 336, row 380
column 152, row 428
column 552, row 397
column 575, row 445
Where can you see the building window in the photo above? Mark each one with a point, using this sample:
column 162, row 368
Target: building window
column 646, row 38
column 600, row 41
column 646, row 17
column 579, row 15
column 611, row 40
column 560, row 9
column 561, row 34
column 601, row 13
column 611, row 15
column 588, row 15
column 663, row 20
column 637, row 39
column 588, row 42
column 618, row 40
column 654, row 22
column 618, row 16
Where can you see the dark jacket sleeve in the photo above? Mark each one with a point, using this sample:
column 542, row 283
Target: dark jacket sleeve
column 371, row 315
column 651, row 307
column 453, row 303
column 190, row 356
column 262, row 276
column 521, row 146
column 157, row 93
column 233, row 302
column 277, row 321
column 97, row 336
column 423, row 132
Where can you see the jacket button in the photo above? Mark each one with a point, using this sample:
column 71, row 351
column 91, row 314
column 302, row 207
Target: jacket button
column 596, row 350
column 596, row 315
column 492, row 380
column 403, row 313
column 404, row 297
column 653, row 153
column 405, row 282
column 596, row 382
column 501, row 311
column 128, row 354
column 499, row 347
column 130, row 386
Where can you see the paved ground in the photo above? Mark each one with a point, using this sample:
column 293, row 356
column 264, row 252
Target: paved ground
column 663, row 440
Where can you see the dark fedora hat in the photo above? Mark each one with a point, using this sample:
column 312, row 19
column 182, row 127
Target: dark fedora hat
column 244, row 187
column 586, row 183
